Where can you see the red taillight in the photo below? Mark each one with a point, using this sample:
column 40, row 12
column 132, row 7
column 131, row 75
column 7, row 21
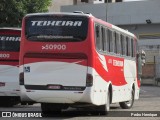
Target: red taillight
column 21, row 78
column 89, row 80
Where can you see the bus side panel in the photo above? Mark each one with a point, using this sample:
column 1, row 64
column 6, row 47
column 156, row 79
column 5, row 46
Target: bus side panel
column 117, row 71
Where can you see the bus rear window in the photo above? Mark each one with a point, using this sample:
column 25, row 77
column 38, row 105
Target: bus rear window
column 9, row 42
column 56, row 28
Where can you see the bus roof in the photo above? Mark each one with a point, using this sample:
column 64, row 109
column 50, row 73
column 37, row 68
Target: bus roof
column 123, row 31
column 59, row 13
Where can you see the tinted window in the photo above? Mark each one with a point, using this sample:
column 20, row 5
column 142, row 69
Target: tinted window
column 129, row 47
column 56, row 28
column 103, row 39
column 118, row 43
column 98, row 38
column 9, row 42
column 132, row 48
column 123, row 47
column 107, row 40
column 110, row 41
column 115, row 42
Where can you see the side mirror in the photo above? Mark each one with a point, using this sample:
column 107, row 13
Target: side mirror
column 143, row 57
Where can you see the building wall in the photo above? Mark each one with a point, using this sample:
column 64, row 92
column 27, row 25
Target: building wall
column 138, row 12
column 98, row 10
column 148, row 71
column 132, row 16
column 122, row 13
column 56, row 5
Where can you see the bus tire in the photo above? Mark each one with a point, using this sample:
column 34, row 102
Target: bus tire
column 104, row 109
column 50, row 109
column 9, row 101
column 128, row 104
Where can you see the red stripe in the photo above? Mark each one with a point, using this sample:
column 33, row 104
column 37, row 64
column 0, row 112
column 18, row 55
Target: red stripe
column 115, row 74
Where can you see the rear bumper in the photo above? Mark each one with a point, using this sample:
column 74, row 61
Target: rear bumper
column 55, row 96
column 10, row 89
column 9, row 93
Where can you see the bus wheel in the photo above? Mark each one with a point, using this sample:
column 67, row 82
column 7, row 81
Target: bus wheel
column 50, row 109
column 104, row 109
column 128, row 104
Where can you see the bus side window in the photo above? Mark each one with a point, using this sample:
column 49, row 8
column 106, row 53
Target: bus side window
column 132, row 48
column 117, row 43
column 110, row 37
column 123, row 46
column 103, row 39
column 106, row 40
column 127, row 41
column 114, row 42
column 128, row 46
column 98, row 38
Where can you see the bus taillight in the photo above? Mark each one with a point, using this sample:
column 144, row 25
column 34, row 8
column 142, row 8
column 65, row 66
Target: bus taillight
column 21, row 78
column 89, row 80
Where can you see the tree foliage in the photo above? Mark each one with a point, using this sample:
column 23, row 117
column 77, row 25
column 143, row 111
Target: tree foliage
column 12, row 11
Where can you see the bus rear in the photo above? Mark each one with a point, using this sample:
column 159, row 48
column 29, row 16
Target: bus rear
column 55, row 55
column 9, row 63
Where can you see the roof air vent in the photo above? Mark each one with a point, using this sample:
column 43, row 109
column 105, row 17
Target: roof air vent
column 78, row 12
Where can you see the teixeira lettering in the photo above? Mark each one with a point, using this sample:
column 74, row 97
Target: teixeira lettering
column 9, row 38
column 57, row 23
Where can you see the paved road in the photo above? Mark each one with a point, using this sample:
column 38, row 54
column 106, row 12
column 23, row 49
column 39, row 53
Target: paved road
column 149, row 101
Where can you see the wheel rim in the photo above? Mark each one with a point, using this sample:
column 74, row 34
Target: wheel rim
column 108, row 103
column 130, row 102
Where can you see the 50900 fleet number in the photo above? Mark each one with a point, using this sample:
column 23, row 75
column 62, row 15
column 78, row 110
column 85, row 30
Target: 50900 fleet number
column 54, row 47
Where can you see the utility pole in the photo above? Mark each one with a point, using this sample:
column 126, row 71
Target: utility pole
column 107, row 11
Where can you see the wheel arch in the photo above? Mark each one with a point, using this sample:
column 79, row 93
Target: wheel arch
column 111, row 92
column 133, row 88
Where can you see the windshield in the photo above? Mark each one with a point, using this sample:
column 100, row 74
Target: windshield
column 9, row 42
column 56, row 28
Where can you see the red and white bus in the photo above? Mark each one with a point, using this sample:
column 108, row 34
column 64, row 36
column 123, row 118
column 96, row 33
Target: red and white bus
column 75, row 59
column 9, row 66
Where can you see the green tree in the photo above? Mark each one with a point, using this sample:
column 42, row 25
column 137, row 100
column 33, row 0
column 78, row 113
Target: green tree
column 12, row 11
